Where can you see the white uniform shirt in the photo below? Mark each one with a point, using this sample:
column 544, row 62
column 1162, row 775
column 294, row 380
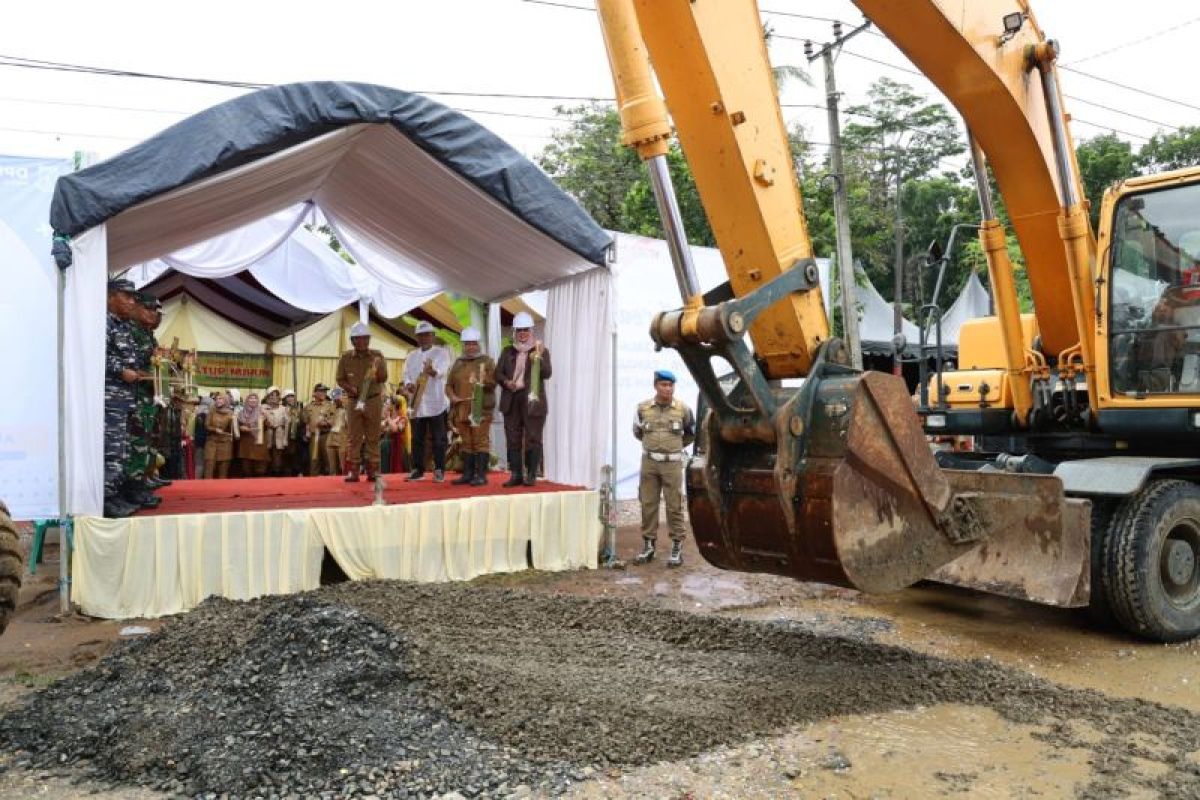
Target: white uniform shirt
column 433, row 400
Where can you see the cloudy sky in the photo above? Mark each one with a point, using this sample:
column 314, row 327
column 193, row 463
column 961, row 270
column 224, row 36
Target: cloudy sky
column 508, row 63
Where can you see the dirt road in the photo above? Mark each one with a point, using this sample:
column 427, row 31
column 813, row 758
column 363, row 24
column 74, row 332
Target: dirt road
column 761, row 687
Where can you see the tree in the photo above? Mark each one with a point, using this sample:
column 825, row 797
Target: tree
column 1103, row 160
column 589, row 162
column 902, row 138
column 1167, row 151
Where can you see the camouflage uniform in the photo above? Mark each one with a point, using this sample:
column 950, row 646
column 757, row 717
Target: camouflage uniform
column 121, row 353
column 144, row 415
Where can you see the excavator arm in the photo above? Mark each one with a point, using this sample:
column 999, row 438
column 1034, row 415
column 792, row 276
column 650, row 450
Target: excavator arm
column 834, row 481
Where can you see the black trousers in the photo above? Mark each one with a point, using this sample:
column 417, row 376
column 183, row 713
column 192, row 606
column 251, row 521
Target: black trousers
column 429, row 427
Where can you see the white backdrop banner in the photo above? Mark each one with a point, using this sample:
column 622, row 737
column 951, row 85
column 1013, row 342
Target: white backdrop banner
column 28, row 309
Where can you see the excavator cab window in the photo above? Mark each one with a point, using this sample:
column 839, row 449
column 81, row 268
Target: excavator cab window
column 1156, row 292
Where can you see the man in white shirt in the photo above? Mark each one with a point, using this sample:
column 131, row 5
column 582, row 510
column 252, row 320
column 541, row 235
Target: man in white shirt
column 424, row 379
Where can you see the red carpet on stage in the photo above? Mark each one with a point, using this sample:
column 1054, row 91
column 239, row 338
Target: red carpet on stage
column 269, row 494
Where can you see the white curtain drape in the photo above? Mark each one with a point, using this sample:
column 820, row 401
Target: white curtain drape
column 83, row 358
column 579, row 320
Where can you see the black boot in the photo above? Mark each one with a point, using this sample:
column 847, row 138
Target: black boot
column 468, row 470
column 116, row 508
column 479, row 478
column 138, row 496
column 514, row 466
column 676, row 557
column 647, row 554
column 533, row 457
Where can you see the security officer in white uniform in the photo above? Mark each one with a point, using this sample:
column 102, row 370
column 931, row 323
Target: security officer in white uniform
column 664, row 426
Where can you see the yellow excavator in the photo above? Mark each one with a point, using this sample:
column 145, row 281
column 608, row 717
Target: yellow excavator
column 1082, row 490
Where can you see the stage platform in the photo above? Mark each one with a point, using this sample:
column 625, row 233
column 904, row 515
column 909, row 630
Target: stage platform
column 272, row 494
column 243, row 538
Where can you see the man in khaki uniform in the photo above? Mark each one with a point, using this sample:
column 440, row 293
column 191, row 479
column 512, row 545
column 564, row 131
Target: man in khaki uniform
column 664, row 426
column 361, row 373
column 318, row 421
column 335, row 445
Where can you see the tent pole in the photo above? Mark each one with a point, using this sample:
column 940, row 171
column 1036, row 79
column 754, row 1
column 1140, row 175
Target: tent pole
column 64, row 549
column 295, row 369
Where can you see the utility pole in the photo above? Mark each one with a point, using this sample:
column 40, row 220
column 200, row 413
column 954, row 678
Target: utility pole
column 841, row 206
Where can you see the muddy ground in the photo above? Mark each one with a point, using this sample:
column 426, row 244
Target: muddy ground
column 694, row 682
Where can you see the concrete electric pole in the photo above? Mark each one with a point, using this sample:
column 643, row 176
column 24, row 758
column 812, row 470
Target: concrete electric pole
column 841, row 206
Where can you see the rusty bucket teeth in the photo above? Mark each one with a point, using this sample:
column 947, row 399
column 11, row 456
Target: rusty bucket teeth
column 866, row 507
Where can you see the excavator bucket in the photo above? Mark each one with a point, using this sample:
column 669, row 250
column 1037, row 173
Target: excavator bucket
column 849, row 494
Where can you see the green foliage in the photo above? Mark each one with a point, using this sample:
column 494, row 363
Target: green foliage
column 1174, row 150
column 1103, row 160
column 588, row 160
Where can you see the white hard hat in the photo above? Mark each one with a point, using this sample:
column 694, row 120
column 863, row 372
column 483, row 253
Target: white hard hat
column 522, row 320
column 424, row 327
column 359, row 329
column 286, row 392
column 272, row 389
column 470, row 335
column 236, row 395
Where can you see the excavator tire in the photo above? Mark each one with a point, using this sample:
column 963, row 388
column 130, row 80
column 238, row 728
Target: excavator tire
column 11, row 568
column 1153, row 562
column 1106, row 513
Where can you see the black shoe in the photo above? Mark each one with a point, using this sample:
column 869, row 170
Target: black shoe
column 415, row 475
column 647, row 554
column 514, row 466
column 439, row 475
column 479, row 478
column 115, row 508
column 157, row 483
column 468, row 471
column 676, row 557
column 533, row 457
column 140, row 498
column 351, row 477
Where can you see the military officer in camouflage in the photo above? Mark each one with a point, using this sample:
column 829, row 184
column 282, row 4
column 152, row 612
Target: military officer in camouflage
column 120, row 379
column 664, row 426
column 144, row 417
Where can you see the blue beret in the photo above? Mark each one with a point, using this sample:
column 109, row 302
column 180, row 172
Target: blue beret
column 664, row 375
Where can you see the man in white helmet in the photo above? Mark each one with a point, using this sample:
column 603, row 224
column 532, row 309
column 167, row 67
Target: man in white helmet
column 362, row 373
column 522, row 372
column 424, row 379
column 471, row 389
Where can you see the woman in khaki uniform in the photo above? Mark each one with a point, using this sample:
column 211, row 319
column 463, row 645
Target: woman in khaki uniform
column 252, row 446
column 472, row 369
column 275, row 423
column 218, row 447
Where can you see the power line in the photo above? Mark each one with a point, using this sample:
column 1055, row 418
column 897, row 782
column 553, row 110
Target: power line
column 1142, row 40
column 56, row 66
column 1129, row 88
column 1119, row 111
column 1109, row 128
column 71, row 133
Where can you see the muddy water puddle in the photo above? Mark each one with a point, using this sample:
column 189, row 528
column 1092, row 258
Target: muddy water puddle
column 941, row 751
column 1056, row 644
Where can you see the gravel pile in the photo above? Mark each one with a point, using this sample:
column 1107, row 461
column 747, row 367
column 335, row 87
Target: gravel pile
column 404, row 690
column 266, row 699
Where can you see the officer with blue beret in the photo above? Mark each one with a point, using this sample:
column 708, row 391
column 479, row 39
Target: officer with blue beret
column 664, row 426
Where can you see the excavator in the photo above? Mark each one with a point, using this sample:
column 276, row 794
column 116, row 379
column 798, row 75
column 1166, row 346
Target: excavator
column 1082, row 490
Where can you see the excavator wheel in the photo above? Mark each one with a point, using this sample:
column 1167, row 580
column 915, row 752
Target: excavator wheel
column 11, row 568
column 1106, row 513
column 1153, row 562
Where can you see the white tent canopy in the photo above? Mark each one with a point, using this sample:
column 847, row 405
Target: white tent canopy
column 290, row 261
column 424, row 200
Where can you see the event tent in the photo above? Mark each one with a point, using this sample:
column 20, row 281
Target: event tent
column 422, row 197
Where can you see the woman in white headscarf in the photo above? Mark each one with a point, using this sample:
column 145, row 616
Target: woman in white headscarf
column 275, row 421
column 252, row 445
